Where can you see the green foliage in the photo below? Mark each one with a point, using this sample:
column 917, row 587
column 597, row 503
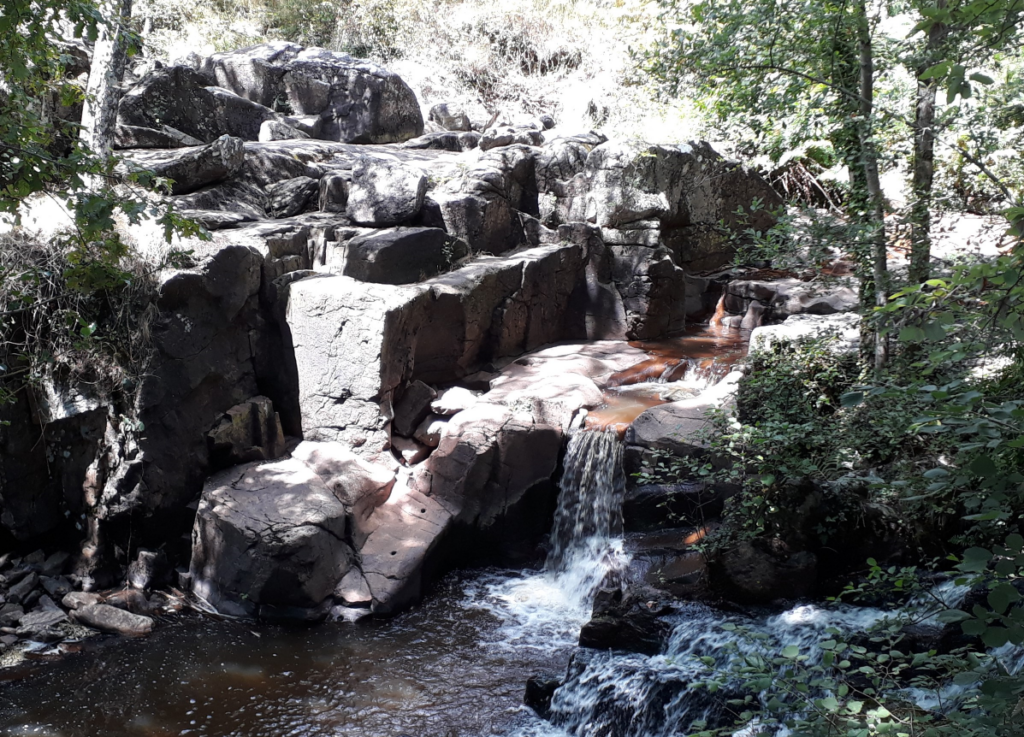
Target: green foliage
column 57, row 298
column 308, row 23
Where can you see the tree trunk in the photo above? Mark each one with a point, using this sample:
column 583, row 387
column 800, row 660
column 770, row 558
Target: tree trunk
column 924, row 159
column 872, row 181
column 109, row 58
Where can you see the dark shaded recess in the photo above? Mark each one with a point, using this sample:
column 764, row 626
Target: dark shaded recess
column 516, row 538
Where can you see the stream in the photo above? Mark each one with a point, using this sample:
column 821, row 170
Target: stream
column 455, row 666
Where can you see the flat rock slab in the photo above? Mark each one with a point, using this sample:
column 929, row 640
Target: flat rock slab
column 407, row 530
column 42, row 618
column 116, row 621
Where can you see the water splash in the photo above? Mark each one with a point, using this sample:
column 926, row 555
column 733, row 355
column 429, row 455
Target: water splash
column 547, row 609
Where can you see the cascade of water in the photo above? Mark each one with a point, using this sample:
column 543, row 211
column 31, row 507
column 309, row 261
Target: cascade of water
column 590, row 498
column 716, row 319
column 546, row 610
column 626, row 695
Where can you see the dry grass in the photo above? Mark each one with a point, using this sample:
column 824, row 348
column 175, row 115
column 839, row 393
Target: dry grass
column 521, row 58
column 97, row 340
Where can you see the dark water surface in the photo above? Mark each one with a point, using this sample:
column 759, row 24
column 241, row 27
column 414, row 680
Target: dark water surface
column 446, row 668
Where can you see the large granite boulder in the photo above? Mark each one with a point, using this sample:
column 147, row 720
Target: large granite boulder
column 354, row 343
column 183, row 100
column 269, row 541
column 349, row 100
column 402, row 255
column 384, row 192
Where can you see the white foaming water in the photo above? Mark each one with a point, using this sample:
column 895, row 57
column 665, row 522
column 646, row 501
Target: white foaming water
column 628, row 695
column 546, row 610
column 699, row 374
column 589, row 499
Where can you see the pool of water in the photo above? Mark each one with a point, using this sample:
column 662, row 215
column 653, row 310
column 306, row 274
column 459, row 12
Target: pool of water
column 455, row 666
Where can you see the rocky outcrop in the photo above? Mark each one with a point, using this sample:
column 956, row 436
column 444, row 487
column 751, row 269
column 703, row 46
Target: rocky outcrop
column 402, row 255
column 677, row 428
column 788, row 296
column 343, row 278
column 761, row 571
column 482, row 205
column 247, row 432
column 357, row 342
column 270, row 92
column 674, row 197
column 626, row 622
column 190, row 168
column 339, row 97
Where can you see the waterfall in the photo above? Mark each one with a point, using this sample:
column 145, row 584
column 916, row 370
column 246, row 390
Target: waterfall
column 610, row 694
column 716, row 319
column 546, row 609
column 589, row 511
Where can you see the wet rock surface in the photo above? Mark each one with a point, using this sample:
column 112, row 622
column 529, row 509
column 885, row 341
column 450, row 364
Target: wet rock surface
column 763, row 571
column 626, row 622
